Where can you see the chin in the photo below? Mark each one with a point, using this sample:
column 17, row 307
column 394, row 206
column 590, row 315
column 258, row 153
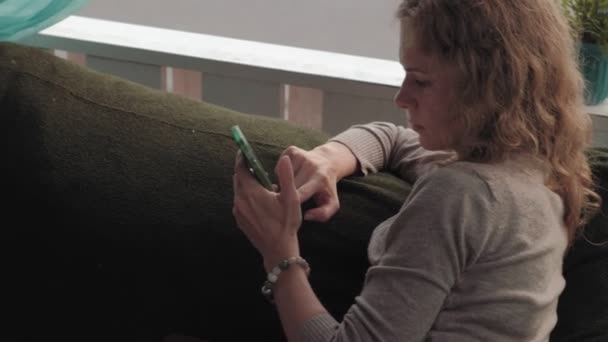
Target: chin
column 431, row 144
column 424, row 142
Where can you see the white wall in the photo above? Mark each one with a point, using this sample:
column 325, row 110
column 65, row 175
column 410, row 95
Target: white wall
column 360, row 27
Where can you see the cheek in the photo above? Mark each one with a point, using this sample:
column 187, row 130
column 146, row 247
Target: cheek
column 433, row 112
column 441, row 127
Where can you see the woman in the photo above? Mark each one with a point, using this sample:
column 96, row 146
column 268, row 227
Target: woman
column 501, row 188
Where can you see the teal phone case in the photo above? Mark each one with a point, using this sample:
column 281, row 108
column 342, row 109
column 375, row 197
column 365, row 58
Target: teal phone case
column 254, row 165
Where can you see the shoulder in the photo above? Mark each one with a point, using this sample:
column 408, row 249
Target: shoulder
column 455, row 200
column 455, row 197
column 450, row 209
column 455, row 181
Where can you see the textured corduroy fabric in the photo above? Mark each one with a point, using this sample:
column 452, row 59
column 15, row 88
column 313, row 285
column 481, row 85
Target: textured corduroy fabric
column 583, row 306
column 119, row 202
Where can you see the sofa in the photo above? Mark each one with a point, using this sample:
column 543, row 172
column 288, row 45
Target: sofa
column 117, row 220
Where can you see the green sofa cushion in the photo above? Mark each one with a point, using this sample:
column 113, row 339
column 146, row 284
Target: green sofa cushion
column 121, row 197
column 583, row 306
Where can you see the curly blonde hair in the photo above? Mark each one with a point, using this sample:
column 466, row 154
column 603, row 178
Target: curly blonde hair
column 520, row 84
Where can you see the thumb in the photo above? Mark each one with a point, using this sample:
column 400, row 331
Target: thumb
column 286, row 180
column 307, row 190
column 323, row 212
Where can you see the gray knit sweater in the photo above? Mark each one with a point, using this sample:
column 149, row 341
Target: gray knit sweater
column 474, row 254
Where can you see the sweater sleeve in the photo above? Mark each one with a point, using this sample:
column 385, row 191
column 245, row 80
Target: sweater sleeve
column 422, row 252
column 386, row 146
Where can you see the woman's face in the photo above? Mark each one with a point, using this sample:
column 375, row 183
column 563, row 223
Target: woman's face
column 428, row 93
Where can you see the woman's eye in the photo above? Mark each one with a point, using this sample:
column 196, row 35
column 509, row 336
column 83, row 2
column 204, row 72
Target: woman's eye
column 416, row 82
column 420, row 83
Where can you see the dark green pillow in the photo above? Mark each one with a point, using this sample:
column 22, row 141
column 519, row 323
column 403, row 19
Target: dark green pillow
column 121, row 199
column 583, row 306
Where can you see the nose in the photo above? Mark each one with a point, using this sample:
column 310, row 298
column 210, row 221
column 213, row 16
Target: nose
column 403, row 98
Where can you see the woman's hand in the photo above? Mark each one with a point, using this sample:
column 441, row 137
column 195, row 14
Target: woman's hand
column 317, row 173
column 270, row 220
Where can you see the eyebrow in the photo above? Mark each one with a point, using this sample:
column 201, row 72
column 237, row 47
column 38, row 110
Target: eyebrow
column 409, row 69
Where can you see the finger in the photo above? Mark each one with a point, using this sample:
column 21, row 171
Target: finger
column 307, row 190
column 288, row 152
column 327, row 205
column 286, row 179
column 321, row 214
column 303, row 176
column 236, row 177
column 291, row 152
column 295, row 155
column 238, row 157
column 244, row 177
column 240, row 166
column 235, row 185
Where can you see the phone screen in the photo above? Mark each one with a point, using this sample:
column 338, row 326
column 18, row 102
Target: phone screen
column 254, row 165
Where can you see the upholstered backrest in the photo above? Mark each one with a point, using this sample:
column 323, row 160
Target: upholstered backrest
column 583, row 306
column 122, row 199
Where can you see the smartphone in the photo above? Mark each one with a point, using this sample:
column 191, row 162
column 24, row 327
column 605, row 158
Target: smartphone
column 254, row 165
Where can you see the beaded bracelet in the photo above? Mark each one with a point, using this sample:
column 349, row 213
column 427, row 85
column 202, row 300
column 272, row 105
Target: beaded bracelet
column 273, row 276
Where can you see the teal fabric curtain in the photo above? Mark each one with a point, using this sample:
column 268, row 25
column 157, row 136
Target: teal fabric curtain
column 22, row 18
